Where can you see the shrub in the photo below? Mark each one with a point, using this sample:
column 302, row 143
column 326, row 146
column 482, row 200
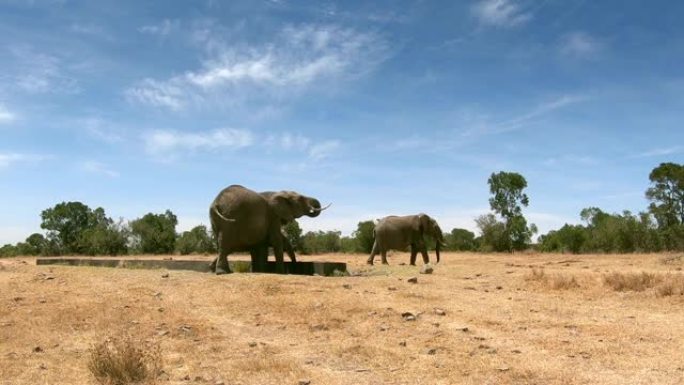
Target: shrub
column 364, row 236
column 155, row 233
column 555, row 281
column 535, row 275
column 563, row 282
column 124, row 360
column 198, row 240
column 630, row 281
column 672, row 284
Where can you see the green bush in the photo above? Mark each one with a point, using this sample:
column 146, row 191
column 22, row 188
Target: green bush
column 154, row 233
column 196, row 241
column 321, row 242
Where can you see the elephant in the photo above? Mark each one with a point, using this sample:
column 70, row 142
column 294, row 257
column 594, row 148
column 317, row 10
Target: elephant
column 244, row 220
column 400, row 232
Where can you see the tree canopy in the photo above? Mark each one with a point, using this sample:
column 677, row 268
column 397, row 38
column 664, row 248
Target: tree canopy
column 155, row 233
column 508, row 198
column 667, row 194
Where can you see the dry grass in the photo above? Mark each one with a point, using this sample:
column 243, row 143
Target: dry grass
column 554, row 281
column 664, row 285
column 125, row 360
column 630, row 281
column 670, row 259
column 502, row 319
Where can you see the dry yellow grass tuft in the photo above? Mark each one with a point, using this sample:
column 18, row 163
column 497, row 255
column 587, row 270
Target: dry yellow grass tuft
column 671, row 284
column 553, row 281
column 630, row 281
column 125, row 360
column 665, row 285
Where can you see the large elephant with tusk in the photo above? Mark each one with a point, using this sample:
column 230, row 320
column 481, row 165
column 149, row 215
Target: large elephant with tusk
column 244, row 220
column 402, row 232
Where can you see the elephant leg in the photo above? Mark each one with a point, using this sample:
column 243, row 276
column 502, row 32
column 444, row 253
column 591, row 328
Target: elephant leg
column 287, row 247
column 374, row 252
column 383, row 254
column 280, row 263
column 259, row 257
column 277, row 243
column 414, row 254
column 222, row 266
column 423, row 252
column 212, row 266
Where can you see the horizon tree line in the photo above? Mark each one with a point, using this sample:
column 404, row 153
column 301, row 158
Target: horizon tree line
column 73, row 228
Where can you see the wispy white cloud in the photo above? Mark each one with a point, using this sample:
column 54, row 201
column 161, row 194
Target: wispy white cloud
column 324, row 149
column 579, row 45
column 663, row 151
column 39, row 73
column 288, row 141
column 298, row 57
column 164, row 28
column 171, row 94
column 96, row 167
column 584, row 160
column 524, row 119
column 101, row 130
column 9, row 159
column 500, row 13
column 87, row 29
column 165, row 143
column 542, row 109
column 6, row 116
column 472, row 125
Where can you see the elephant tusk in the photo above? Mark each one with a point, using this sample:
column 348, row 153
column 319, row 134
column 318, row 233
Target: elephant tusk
column 321, row 209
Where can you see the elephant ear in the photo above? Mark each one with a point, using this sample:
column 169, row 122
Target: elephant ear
column 421, row 223
column 282, row 205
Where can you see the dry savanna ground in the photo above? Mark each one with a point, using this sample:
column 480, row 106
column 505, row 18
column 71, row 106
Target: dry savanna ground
column 478, row 319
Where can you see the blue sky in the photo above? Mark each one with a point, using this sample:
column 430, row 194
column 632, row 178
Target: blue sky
column 379, row 107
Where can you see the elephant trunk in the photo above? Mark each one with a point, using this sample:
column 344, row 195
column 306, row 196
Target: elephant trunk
column 437, row 247
column 315, row 208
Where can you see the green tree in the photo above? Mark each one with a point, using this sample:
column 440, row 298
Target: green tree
column 107, row 238
column 8, row 250
column 320, row 242
column 155, row 233
column 460, row 240
column 35, row 244
column 569, row 238
column 494, row 236
column 667, row 194
column 364, row 236
column 293, row 233
column 197, row 240
column 66, row 222
column 348, row 245
column 508, row 198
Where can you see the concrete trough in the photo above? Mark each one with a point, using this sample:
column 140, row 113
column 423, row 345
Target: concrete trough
column 298, row 268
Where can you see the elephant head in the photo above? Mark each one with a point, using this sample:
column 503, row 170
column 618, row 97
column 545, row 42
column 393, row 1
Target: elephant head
column 427, row 225
column 289, row 205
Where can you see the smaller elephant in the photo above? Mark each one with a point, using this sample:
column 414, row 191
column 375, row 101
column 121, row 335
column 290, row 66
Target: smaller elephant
column 402, row 232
